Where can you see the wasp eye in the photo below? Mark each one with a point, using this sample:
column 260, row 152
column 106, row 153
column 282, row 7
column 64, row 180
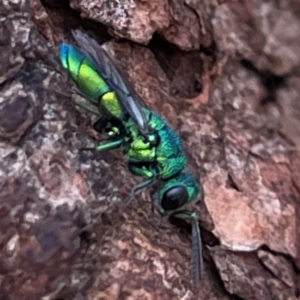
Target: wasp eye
column 174, row 198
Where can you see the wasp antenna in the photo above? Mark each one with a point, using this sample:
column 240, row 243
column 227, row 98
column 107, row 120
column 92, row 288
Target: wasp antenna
column 196, row 259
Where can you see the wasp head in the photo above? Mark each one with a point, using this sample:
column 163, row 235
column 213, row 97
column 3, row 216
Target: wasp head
column 174, row 193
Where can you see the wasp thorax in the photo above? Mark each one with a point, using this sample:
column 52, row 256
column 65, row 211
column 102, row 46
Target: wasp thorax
column 174, row 198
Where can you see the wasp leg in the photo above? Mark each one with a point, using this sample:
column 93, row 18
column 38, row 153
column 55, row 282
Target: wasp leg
column 156, row 225
column 109, row 145
column 155, row 210
column 104, row 146
column 138, row 188
column 88, row 107
column 196, row 258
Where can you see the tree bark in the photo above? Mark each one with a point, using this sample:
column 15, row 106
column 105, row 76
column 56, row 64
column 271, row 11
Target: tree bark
column 225, row 75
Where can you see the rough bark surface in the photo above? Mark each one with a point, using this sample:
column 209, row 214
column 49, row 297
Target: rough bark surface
column 226, row 76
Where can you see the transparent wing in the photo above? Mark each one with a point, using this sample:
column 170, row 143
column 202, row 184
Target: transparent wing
column 113, row 76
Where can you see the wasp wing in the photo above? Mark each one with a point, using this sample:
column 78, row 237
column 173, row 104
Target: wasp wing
column 113, row 76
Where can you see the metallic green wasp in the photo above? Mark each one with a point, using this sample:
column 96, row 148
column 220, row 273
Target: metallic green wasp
column 151, row 147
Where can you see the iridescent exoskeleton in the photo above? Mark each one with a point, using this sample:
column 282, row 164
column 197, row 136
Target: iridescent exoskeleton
column 151, row 147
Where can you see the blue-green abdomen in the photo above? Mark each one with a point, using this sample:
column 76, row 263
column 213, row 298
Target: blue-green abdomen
column 88, row 79
column 82, row 71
